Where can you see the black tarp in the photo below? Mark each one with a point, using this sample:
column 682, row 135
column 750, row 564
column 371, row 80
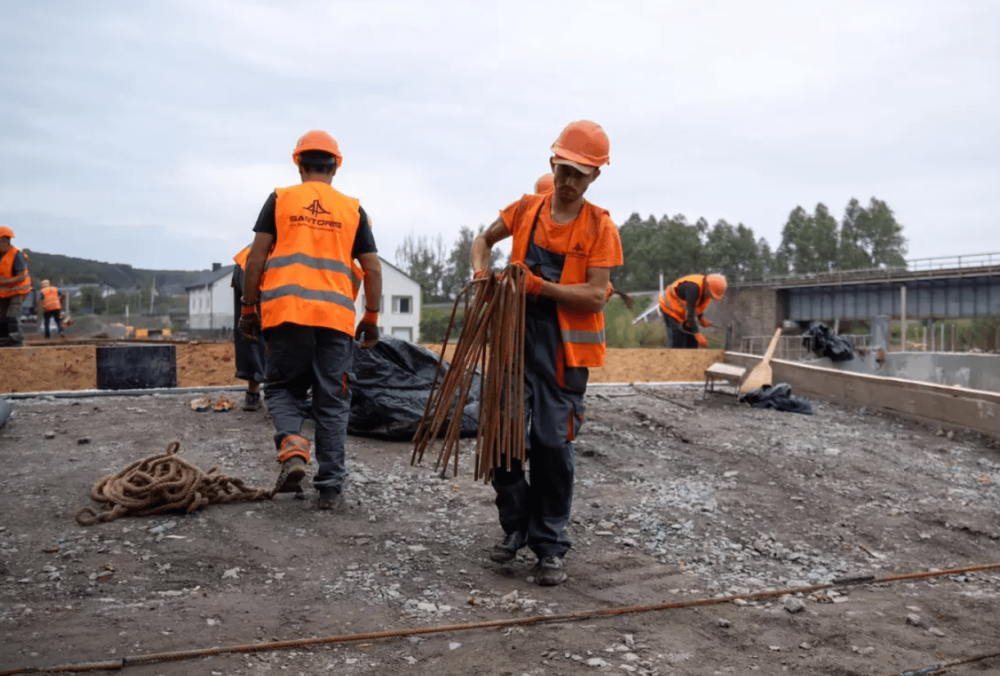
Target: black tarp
column 823, row 342
column 778, row 397
column 393, row 382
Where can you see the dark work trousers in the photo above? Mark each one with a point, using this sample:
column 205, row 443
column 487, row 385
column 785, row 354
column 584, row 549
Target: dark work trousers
column 677, row 338
column 10, row 310
column 538, row 505
column 300, row 357
column 55, row 315
column 250, row 357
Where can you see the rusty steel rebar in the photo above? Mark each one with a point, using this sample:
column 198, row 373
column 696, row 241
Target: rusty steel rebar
column 490, row 343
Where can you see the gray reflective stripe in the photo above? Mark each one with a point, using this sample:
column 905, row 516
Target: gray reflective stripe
column 306, row 294
column 17, row 289
column 584, row 337
column 313, row 262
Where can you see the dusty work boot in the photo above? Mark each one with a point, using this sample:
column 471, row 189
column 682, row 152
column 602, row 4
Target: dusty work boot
column 506, row 550
column 331, row 499
column 549, row 571
column 290, row 478
column 251, row 401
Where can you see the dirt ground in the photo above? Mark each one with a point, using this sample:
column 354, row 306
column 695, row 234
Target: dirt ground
column 677, row 498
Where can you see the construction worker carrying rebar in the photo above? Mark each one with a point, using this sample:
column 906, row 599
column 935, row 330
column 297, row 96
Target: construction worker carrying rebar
column 567, row 247
column 15, row 285
column 51, row 307
column 683, row 305
column 301, row 270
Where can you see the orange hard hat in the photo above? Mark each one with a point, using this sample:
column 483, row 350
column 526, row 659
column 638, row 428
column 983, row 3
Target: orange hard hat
column 545, row 184
column 318, row 140
column 716, row 286
column 583, row 145
column 6, row 232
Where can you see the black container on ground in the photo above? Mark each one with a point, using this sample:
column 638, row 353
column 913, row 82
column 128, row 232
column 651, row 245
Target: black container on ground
column 136, row 367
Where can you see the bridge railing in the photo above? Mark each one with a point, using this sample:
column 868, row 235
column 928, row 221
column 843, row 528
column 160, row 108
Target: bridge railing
column 794, row 348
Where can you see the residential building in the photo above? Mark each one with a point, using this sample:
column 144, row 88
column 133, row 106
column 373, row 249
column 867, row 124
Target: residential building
column 210, row 299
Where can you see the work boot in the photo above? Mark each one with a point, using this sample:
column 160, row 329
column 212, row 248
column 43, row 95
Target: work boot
column 290, row 478
column 549, row 571
column 251, row 401
column 506, row 550
column 330, row 498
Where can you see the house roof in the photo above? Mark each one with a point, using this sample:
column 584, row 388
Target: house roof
column 209, row 277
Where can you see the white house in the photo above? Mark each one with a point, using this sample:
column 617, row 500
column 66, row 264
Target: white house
column 210, row 299
column 210, row 302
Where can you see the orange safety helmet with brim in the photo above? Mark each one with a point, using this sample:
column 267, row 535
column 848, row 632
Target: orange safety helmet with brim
column 317, row 140
column 716, row 285
column 582, row 145
column 6, row 232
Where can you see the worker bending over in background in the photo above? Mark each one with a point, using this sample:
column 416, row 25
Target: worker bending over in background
column 15, row 284
column 683, row 305
column 249, row 355
column 567, row 247
column 307, row 237
column 51, row 306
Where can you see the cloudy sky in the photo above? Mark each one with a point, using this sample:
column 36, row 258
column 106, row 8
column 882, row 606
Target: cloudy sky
column 150, row 133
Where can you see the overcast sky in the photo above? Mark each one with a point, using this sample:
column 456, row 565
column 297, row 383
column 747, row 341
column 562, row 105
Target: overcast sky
column 150, row 133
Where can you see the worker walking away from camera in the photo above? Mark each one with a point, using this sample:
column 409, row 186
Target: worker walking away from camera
column 683, row 305
column 301, row 270
column 15, row 285
column 567, row 247
column 250, row 356
column 51, row 307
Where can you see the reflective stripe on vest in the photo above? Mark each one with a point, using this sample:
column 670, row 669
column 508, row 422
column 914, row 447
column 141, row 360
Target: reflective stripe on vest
column 310, row 277
column 674, row 306
column 7, row 270
column 50, row 299
column 582, row 332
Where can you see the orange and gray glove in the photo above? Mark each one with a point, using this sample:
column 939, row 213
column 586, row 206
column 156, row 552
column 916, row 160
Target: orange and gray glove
column 249, row 324
column 367, row 331
column 532, row 282
column 704, row 322
column 702, row 340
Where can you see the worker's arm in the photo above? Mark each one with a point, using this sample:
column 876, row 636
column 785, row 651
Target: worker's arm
column 373, row 280
column 587, row 297
column 15, row 280
column 482, row 246
column 262, row 243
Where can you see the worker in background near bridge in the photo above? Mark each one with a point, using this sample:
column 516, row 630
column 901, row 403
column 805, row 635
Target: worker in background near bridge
column 15, row 285
column 301, row 270
column 567, row 247
column 683, row 305
column 51, row 307
column 249, row 356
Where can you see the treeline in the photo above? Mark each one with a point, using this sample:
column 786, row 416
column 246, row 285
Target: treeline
column 69, row 270
column 865, row 237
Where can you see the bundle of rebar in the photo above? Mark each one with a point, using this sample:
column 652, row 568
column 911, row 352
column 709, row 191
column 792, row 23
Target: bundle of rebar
column 492, row 341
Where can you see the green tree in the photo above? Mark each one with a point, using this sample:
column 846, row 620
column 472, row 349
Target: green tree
column 423, row 259
column 734, row 252
column 809, row 242
column 669, row 246
column 458, row 268
column 880, row 236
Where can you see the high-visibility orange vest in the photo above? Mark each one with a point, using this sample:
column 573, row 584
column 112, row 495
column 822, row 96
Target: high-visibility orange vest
column 7, row 270
column 674, row 306
column 241, row 258
column 50, row 299
column 582, row 332
column 309, row 277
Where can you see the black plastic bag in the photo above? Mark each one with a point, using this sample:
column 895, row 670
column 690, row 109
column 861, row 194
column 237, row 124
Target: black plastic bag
column 824, row 343
column 778, row 397
column 391, row 387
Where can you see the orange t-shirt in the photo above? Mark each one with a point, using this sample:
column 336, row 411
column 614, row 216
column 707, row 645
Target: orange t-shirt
column 555, row 237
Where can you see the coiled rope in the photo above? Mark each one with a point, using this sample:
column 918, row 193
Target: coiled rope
column 163, row 483
column 488, row 624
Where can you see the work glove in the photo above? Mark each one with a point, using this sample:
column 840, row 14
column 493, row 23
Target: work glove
column 532, row 282
column 704, row 322
column 367, row 331
column 249, row 325
column 702, row 340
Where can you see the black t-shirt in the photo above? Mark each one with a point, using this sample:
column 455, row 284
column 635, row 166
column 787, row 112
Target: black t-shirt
column 19, row 265
column 364, row 240
column 690, row 293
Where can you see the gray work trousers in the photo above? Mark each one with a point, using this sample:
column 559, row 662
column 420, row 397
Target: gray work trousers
column 250, row 357
column 300, row 357
column 10, row 310
column 538, row 504
column 677, row 338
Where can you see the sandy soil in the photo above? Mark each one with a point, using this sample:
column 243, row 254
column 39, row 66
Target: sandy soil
column 677, row 499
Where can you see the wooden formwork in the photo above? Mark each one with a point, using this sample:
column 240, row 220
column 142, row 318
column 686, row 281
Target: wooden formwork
column 951, row 407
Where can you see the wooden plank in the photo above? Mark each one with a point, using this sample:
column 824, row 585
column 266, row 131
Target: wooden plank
column 953, row 407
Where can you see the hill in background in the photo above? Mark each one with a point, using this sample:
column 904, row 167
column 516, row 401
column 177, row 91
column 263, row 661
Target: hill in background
column 69, row 270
